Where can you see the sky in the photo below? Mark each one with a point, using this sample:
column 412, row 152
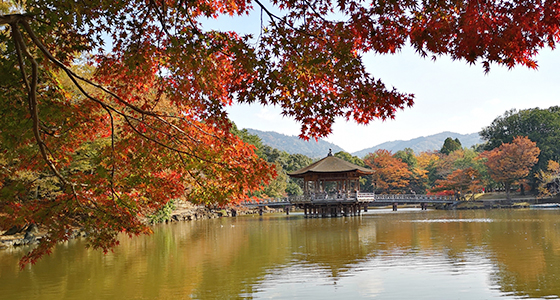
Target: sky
column 449, row 96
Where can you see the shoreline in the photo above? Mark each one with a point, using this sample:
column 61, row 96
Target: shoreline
column 183, row 212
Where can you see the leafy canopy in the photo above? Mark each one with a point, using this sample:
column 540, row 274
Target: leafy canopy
column 392, row 175
column 450, row 145
column 149, row 123
column 541, row 125
column 512, row 161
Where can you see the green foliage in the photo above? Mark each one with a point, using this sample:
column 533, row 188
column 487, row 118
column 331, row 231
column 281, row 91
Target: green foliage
column 293, row 188
column 407, row 156
column 163, row 214
column 350, row 158
column 450, row 145
column 365, row 181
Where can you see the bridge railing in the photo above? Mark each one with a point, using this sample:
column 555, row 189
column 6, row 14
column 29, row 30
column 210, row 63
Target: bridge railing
column 268, row 201
column 413, row 197
column 351, row 196
column 333, row 197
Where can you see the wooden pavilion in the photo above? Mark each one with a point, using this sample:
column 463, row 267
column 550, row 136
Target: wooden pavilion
column 331, row 186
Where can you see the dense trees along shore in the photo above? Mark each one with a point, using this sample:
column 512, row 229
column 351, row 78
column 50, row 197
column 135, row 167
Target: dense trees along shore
column 508, row 159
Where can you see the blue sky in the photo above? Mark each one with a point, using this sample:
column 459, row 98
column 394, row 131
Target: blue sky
column 449, row 95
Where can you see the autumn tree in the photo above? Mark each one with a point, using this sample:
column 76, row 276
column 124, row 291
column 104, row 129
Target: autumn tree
column 511, row 161
column 155, row 106
column 460, row 182
column 427, row 162
column 418, row 176
column 391, row 174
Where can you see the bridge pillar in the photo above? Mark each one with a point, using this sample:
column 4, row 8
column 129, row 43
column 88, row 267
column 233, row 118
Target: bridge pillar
column 260, row 211
column 365, row 207
column 395, row 206
column 287, row 209
column 423, row 206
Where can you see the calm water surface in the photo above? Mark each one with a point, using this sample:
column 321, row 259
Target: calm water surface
column 410, row 254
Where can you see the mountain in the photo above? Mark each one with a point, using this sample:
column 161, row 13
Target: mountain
column 293, row 144
column 420, row 144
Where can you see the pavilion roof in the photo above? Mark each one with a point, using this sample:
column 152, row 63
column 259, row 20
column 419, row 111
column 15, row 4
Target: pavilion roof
column 329, row 165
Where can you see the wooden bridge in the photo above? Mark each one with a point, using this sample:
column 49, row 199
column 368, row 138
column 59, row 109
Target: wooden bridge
column 324, row 204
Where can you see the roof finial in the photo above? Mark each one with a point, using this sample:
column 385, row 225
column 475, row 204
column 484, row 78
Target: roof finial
column 330, row 152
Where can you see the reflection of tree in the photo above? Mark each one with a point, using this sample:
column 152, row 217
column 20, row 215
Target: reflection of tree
column 527, row 253
column 227, row 258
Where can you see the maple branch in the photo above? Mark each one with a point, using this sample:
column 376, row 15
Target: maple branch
column 160, row 15
column 73, row 75
column 112, row 180
column 196, row 180
column 15, row 31
column 273, row 16
column 13, row 19
column 58, row 63
column 74, row 78
column 127, row 119
column 315, row 11
column 32, row 95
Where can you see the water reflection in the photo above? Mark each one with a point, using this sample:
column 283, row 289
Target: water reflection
column 492, row 254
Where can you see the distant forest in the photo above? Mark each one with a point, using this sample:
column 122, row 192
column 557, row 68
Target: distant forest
column 530, row 139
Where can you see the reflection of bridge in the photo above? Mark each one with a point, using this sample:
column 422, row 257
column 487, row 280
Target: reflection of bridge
column 334, row 204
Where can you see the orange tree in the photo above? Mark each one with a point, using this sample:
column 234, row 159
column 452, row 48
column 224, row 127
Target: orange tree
column 391, row 174
column 460, row 181
column 427, row 163
column 511, row 161
column 150, row 123
column 419, row 175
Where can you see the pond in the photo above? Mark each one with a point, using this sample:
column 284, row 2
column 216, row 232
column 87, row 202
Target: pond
column 409, row 254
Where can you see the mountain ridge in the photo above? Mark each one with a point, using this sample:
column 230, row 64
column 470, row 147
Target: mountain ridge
column 293, row 144
column 424, row 143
